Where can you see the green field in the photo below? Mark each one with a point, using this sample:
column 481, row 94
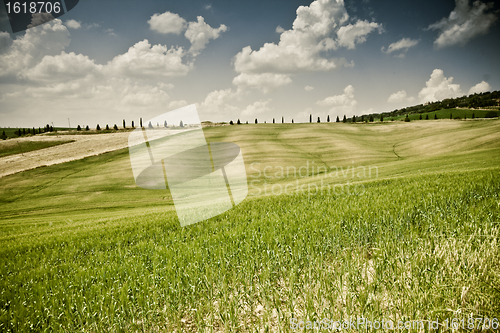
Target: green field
column 11, row 147
column 394, row 221
column 445, row 114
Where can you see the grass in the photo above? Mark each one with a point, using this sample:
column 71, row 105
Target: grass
column 444, row 114
column 11, row 147
column 84, row 250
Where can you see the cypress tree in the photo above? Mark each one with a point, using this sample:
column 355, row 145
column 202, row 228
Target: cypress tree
column 381, row 117
column 98, row 127
column 256, row 120
column 181, row 124
column 344, row 120
column 282, row 119
column 318, row 120
column 353, row 119
column 165, row 124
column 238, row 122
column 231, row 123
column 141, row 122
column 371, row 118
column 328, row 119
column 273, row 121
column 292, row 120
column 133, row 124
column 310, row 118
column 116, row 127
column 338, row 120
column 87, row 128
column 107, row 127
column 124, row 123
column 78, row 128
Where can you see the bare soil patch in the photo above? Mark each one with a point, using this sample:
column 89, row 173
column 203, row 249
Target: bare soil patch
column 83, row 146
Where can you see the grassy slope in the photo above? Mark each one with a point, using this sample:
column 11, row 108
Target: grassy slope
column 445, row 114
column 11, row 147
column 97, row 253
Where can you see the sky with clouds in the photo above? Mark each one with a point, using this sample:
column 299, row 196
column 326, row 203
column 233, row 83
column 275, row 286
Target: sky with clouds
column 105, row 61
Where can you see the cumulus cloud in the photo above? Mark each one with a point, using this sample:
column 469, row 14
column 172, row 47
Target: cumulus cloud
column 438, row 87
column 257, row 108
column 199, row 34
column 27, row 50
column 344, row 103
column 279, row 29
column 400, row 97
column 144, row 60
column 167, row 23
column 265, row 82
column 321, row 26
column 352, row 34
column 308, row 88
column 219, row 102
column 479, row 88
column 63, row 67
column 73, row 24
column 464, row 23
column 401, row 45
column 5, row 42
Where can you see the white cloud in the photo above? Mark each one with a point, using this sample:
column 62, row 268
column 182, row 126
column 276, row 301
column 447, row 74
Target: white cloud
column 73, row 24
column 479, row 88
column 257, row 108
column 341, row 104
column 218, row 103
column 302, row 47
column 438, row 87
column 265, row 82
column 464, row 23
column 279, row 29
column 199, row 34
column 400, row 97
column 5, row 42
column 401, row 45
column 29, row 49
column 63, row 67
column 308, row 88
column 352, row 34
column 167, row 23
column 144, row 60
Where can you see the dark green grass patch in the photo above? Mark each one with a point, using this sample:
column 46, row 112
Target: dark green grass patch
column 12, row 146
column 421, row 247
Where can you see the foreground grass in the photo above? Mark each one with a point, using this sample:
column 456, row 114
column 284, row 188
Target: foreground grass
column 11, row 147
column 418, row 248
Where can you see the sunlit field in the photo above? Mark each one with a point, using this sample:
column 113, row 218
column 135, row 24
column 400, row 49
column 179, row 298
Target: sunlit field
column 396, row 221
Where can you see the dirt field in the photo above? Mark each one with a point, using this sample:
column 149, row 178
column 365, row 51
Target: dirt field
column 84, row 145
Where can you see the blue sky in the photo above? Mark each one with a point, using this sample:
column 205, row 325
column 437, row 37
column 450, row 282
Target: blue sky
column 105, row 61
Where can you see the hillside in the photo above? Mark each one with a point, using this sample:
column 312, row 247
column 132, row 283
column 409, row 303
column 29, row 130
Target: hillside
column 371, row 212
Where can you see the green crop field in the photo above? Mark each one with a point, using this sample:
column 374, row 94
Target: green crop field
column 396, row 221
column 445, row 114
column 11, row 147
